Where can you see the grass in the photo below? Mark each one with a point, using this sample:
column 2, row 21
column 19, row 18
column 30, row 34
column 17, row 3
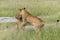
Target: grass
column 47, row 10
column 46, row 33
column 38, row 8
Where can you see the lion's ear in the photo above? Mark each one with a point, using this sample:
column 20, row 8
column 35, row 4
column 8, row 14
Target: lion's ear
column 20, row 9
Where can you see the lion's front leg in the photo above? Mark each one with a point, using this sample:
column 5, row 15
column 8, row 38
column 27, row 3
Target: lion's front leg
column 22, row 25
column 18, row 24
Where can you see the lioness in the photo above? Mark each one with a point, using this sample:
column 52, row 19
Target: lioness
column 27, row 17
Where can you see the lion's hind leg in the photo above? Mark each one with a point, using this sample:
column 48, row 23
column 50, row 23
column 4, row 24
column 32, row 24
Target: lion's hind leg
column 36, row 29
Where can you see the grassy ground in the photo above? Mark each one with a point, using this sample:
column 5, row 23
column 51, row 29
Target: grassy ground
column 46, row 33
column 48, row 10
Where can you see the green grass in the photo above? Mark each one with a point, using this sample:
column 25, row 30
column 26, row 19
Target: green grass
column 46, row 33
column 38, row 8
column 5, row 25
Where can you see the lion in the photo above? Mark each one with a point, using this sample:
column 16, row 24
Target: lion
column 24, row 17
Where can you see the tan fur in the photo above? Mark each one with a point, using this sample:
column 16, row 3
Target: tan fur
column 27, row 17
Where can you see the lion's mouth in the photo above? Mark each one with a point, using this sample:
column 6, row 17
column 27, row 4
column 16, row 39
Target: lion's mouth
column 20, row 19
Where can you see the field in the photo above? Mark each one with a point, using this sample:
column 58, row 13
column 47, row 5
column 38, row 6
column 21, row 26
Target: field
column 47, row 10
